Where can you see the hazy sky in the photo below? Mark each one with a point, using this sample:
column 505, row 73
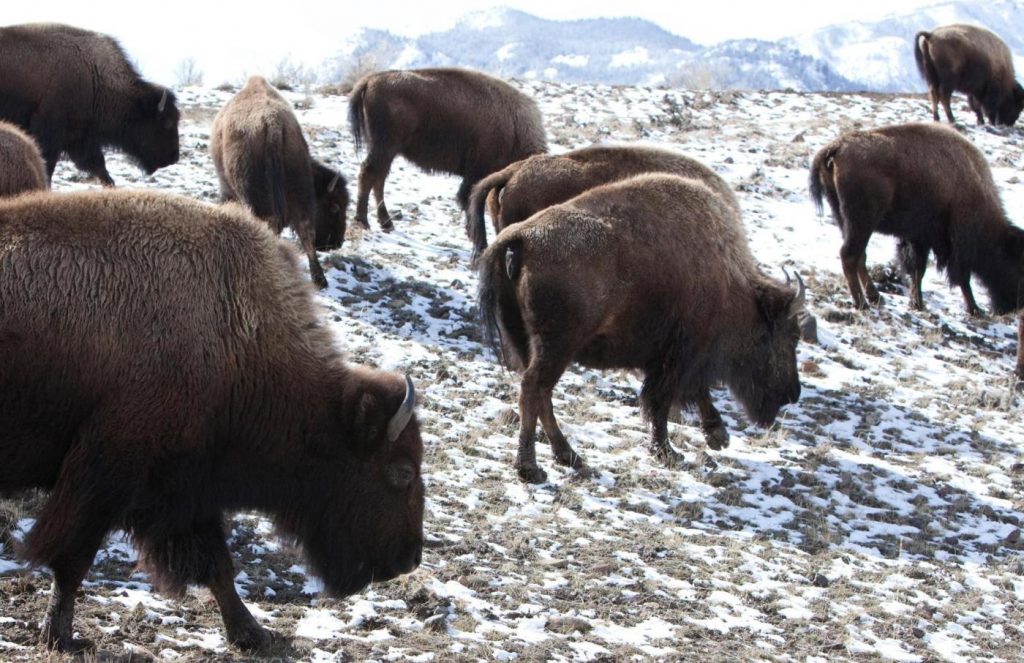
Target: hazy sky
column 230, row 39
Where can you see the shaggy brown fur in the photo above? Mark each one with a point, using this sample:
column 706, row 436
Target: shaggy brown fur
column 930, row 187
column 263, row 161
column 174, row 372
column 528, row 186
column 76, row 93
column 650, row 273
column 445, row 120
column 21, row 166
column 972, row 60
column 1020, row 344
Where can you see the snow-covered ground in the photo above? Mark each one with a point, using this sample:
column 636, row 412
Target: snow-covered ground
column 878, row 519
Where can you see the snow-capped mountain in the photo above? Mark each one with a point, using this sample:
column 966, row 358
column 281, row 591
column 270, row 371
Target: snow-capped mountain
column 876, row 56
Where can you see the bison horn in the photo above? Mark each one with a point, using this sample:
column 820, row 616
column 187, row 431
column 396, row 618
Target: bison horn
column 334, row 183
column 163, row 103
column 401, row 418
column 801, row 296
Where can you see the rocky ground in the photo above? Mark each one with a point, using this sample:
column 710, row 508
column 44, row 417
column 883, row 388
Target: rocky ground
column 880, row 518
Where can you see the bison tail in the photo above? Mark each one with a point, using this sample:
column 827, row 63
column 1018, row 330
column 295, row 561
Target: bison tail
column 475, row 226
column 500, row 314
column 821, row 171
column 356, row 121
column 923, row 58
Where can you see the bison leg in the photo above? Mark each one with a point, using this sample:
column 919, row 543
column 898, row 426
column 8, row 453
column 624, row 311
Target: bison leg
column 970, row 305
column 933, row 95
column 976, row 107
column 371, row 176
column 91, row 160
column 852, row 256
column 1020, row 345
column 715, row 434
column 538, row 382
column 304, row 229
column 243, row 630
column 914, row 259
column 945, row 95
column 656, row 403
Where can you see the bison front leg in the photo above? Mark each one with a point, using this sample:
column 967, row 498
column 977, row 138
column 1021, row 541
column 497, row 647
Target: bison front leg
column 304, row 230
column 715, row 434
column 91, row 160
column 242, row 629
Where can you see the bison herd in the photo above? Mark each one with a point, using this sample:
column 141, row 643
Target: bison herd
column 162, row 362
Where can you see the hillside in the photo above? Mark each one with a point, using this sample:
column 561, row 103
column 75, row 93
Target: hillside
column 880, row 518
column 865, row 55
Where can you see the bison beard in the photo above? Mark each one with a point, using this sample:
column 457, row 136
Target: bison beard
column 158, row 409
column 606, row 280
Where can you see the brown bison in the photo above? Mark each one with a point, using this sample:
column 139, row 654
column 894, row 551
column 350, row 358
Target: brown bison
column 76, row 93
column 21, row 166
column 1020, row 344
column 930, row 187
column 446, row 120
column 972, row 60
column 650, row 273
column 262, row 160
column 176, row 372
column 526, row 187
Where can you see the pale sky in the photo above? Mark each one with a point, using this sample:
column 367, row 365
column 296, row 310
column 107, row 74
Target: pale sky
column 229, row 39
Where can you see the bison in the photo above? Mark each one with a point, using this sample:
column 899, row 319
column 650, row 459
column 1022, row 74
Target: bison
column 931, row 188
column 76, row 93
column 262, row 160
column 176, row 372
column 972, row 60
column 447, row 120
column 650, row 273
column 21, row 166
column 528, row 186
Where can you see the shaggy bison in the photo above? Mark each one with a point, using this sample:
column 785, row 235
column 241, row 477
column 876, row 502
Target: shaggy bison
column 21, row 166
column 446, row 120
column 972, row 60
column 930, row 187
column 650, row 273
column 262, row 160
column 76, row 93
column 528, row 186
column 176, row 371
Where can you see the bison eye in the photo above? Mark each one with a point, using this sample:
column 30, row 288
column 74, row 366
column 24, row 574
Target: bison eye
column 401, row 473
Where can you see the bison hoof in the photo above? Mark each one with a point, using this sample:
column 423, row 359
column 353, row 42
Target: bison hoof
column 320, row 281
column 570, row 459
column 64, row 643
column 874, row 298
column 669, row 457
column 251, row 638
column 716, row 438
column 387, row 225
column 532, row 474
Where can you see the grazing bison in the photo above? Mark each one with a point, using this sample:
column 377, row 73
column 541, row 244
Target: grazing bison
column 176, row 371
column 262, row 160
column 447, row 120
column 650, row 273
column 76, row 93
column 972, row 60
column 930, row 187
column 528, row 186
column 21, row 166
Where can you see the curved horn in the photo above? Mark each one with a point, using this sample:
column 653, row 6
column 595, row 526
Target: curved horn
column 800, row 299
column 788, row 279
column 401, row 418
column 163, row 103
column 334, row 183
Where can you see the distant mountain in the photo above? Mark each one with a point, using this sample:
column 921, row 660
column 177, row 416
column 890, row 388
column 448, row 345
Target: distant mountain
column 876, row 56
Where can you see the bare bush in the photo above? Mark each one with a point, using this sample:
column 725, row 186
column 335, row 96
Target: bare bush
column 188, row 73
column 347, row 71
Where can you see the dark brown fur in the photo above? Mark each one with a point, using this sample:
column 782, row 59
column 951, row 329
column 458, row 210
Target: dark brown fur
column 930, row 187
column 76, row 93
column 445, row 120
column 650, row 273
column 528, row 186
column 21, row 166
column 175, row 372
column 262, row 160
column 972, row 60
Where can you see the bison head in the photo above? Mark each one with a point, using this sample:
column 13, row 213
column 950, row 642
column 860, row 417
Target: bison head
column 331, row 206
column 364, row 518
column 1012, row 105
column 151, row 130
column 767, row 376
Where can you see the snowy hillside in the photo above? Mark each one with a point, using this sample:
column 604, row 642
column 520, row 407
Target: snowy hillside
column 879, row 519
column 869, row 55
